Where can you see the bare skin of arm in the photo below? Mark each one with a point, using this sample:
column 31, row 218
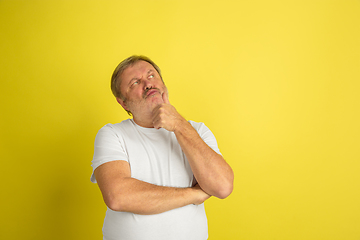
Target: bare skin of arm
column 123, row 193
column 210, row 169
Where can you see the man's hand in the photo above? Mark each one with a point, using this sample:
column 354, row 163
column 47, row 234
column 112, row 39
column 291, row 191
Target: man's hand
column 165, row 115
column 201, row 194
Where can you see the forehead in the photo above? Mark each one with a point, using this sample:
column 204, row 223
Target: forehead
column 136, row 70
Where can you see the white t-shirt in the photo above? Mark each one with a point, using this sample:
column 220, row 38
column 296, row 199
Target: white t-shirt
column 155, row 157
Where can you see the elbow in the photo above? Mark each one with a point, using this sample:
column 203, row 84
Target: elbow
column 226, row 188
column 114, row 207
column 115, row 204
column 225, row 191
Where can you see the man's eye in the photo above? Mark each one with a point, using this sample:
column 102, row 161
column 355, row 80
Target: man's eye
column 151, row 76
column 134, row 83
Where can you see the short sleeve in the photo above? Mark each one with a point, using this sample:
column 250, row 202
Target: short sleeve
column 206, row 135
column 109, row 146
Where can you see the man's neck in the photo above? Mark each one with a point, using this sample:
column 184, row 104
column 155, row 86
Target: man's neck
column 145, row 122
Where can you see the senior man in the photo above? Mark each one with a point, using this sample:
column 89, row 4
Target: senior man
column 155, row 170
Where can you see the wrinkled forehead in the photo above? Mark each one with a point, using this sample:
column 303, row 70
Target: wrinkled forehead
column 136, row 70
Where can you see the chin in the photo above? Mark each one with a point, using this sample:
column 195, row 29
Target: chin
column 155, row 99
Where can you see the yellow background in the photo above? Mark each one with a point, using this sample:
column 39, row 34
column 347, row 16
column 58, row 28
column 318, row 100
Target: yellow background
column 276, row 81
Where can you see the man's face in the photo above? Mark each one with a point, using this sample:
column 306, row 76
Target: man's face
column 142, row 88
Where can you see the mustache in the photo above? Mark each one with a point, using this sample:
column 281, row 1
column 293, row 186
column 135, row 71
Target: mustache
column 147, row 90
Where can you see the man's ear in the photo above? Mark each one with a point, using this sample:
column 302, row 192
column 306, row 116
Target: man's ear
column 122, row 103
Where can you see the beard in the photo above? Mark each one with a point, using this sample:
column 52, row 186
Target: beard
column 146, row 104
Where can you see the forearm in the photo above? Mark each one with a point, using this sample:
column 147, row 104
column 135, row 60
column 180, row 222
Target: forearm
column 140, row 197
column 210, row 169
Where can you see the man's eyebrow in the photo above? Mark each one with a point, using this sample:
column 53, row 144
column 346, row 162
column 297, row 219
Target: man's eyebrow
column 133, row 79
column 136, row 78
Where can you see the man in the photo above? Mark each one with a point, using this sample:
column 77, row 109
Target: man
column 156, row 169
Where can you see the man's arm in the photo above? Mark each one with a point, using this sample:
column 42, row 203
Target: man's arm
column 210, row 169
column 126, row 194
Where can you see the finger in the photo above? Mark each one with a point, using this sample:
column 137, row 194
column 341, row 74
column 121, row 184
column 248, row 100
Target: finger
column 155, row 120
column 165, row 96
column 156, row 123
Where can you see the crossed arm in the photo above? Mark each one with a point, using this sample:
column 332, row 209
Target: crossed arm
column 213, row 174
column 126, row 194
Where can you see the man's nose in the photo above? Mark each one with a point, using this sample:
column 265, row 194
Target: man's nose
column 147, row 84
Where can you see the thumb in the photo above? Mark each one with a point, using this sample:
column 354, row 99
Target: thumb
column 165, row 97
